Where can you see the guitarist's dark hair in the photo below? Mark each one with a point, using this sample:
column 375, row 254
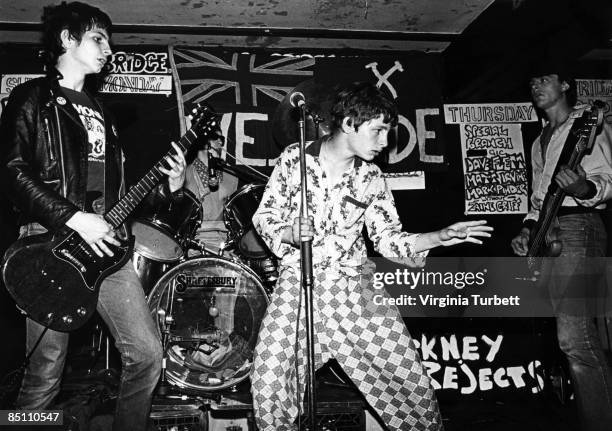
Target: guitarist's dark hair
column 77, row 18
column 561, row 68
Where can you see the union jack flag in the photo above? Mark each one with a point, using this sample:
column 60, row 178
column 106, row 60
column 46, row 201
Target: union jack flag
column 225, row 77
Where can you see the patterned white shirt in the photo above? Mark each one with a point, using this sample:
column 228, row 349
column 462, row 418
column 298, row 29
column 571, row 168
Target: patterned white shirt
column 339, row 210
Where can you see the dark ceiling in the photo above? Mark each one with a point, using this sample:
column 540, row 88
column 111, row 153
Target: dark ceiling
column 488, row 46
column 500, row 48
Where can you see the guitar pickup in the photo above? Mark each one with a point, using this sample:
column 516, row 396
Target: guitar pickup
column 73, row 259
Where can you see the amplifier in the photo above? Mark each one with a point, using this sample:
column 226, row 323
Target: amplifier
column 178, row 418
column 338, row 416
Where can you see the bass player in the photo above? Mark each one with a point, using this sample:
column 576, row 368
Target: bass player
column 582, row 235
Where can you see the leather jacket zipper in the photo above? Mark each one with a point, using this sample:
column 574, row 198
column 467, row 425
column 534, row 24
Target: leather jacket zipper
column 50, row 151
column 61, row 151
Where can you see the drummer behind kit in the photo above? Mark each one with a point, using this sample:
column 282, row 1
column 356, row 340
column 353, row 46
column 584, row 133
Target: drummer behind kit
column 166, row 234
column 208, row 308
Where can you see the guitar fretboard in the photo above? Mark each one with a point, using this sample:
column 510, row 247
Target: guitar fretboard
column 126, row 205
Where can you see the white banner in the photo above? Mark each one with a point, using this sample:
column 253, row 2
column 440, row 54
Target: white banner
column 137, row 84
column 12, row 80
column 490, row 113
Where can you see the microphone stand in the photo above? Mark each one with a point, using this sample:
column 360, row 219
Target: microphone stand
column 307, row 277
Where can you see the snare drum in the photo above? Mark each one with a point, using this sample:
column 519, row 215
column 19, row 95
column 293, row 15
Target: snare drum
column 210, row 310
column 162, row 235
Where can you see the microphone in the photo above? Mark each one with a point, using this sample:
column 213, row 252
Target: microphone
column 213, row 177
column 297, row 99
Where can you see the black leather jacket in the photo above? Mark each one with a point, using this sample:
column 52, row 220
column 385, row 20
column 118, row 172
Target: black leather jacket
column 43, row 147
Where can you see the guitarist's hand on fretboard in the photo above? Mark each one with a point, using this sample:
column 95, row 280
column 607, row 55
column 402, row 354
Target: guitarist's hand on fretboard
column 573, row 183
column 520, row 243
column 94, row 230
column 176, row 173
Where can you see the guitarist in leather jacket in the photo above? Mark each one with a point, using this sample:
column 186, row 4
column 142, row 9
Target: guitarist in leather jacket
column 58, row 146
column 581, row 232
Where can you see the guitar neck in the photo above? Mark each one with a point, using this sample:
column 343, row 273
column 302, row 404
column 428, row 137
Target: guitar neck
column 550, row 207
column 586, row 130
column 126, row 205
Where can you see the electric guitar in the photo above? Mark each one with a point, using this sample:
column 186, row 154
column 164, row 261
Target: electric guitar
column 543, row 238
column 55, row 277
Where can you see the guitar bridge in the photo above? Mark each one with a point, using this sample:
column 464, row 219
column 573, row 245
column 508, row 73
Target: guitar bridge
column 73, row 259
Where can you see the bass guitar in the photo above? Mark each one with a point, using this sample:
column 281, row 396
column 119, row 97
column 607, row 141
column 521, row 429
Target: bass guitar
column 55, row 277
column 543, row 238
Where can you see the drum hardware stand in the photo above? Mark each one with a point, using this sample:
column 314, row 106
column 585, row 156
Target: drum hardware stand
column 306, row 267
column 195, row 244
column 97, row 338
column 163, row 388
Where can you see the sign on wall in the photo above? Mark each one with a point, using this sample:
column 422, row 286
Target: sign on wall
column 589, row 90
column 474, row 364
column 138, row 73
column 10, row 81
column 251, row 88
column 494, row 168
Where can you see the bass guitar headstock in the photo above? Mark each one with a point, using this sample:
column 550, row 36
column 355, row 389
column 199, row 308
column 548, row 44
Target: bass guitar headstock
column 588, row 124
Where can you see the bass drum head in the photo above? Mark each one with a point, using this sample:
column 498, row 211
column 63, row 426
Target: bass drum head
column 211, row 309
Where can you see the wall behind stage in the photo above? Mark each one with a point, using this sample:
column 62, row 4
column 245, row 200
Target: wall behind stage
column 149, row 89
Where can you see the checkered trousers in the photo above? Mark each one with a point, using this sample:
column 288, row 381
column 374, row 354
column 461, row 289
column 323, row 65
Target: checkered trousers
column 371, row 344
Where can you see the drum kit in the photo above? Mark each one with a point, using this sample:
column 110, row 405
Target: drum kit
column 207, row 307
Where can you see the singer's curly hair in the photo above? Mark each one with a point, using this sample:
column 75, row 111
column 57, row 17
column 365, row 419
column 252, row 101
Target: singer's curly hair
column 361, row 101
column 77, row 18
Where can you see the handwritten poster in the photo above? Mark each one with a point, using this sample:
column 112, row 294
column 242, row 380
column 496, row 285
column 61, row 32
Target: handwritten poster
column 494, row 167
column 589, row 90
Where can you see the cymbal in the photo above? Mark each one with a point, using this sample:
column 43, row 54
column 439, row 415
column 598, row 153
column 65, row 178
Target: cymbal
column 285, row 118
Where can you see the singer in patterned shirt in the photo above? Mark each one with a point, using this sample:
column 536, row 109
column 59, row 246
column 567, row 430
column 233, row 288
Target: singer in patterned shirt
column 346, row 192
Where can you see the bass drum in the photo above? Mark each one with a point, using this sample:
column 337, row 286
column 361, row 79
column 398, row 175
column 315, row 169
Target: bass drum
column 208, row 310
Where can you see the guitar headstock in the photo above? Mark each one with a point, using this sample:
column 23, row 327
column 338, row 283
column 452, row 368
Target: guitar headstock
column 588, row 124
column 204, row 119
